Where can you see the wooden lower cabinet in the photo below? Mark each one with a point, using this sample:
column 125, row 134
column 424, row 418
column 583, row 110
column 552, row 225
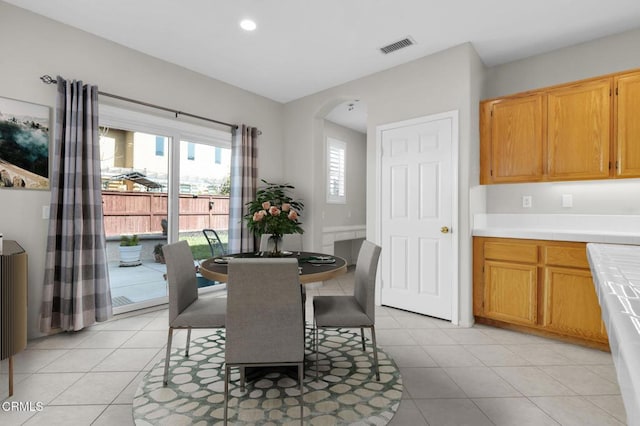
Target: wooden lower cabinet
column 510, row 292
column 540, row 286
column 570, row 303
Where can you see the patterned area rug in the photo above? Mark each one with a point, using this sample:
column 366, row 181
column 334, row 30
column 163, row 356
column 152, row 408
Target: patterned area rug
column 346, row 392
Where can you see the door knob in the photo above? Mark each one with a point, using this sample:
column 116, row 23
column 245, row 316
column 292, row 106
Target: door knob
column 444, row 230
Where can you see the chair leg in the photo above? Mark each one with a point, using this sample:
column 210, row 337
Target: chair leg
column 303, row 293
column 227, row 371
column 301, row 380
column 166, row 361
column 186, row 353
column 242, row 379
column 375, row 351
column 315, row 340
column 362, row 338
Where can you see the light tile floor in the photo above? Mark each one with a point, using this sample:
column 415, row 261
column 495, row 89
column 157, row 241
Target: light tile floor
column 138, row 283
column 451, row 375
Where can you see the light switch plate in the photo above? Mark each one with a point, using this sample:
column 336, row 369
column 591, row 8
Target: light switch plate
column 567, row 200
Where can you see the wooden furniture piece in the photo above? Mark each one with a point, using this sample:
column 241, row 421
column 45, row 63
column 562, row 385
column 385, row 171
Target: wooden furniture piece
column 627, row 126
column 576, row 131
column 512, row 138
column 310, row 273
column 13, row 303
column 538, row 286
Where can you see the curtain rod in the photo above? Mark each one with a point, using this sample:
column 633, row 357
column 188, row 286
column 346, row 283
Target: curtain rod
column 48, row 80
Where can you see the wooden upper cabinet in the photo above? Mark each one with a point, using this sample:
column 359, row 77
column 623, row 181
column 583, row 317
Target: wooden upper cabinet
column 516, row 139
column 579, row 130
column 627, row 125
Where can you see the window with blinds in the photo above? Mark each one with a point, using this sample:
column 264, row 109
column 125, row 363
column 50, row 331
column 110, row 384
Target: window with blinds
column 336, row 173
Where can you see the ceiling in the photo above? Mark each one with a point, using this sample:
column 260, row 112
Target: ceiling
column 302, row 47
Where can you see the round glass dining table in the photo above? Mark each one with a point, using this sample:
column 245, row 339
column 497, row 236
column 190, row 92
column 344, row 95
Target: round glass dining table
column 313, row 267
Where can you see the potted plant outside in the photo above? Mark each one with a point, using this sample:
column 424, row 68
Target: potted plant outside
column 130, row 249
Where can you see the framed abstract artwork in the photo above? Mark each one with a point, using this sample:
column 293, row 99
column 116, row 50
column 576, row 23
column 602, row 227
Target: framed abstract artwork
column 24, row 145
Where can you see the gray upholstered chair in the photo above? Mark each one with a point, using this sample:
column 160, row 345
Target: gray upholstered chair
column 290, row 242
column 186, row 309
column 264, row 318
column 357, row 311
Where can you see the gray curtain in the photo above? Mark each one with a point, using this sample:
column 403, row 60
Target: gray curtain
column 244, row 175
column 76, row 290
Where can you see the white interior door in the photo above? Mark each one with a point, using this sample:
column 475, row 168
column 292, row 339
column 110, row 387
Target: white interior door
column 418, row 192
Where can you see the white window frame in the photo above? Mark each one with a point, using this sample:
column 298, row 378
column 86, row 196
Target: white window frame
column 176, row 131
column 339, row 148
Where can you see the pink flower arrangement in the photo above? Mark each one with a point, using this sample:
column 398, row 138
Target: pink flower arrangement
column 274, row 211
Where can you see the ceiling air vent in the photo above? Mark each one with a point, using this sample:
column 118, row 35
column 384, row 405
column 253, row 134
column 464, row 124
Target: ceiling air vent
column 400, row 44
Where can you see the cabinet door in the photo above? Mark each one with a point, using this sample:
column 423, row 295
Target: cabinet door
column 517, row 139
column 510, row 292
column 571, row 304
column 627, row 126
column 578, row 131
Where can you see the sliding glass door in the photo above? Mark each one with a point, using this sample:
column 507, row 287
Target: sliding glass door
column 205, row 174
column 134, row 196
column 163, row 181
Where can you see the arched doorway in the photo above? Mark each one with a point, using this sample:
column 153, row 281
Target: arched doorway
column 340, row 140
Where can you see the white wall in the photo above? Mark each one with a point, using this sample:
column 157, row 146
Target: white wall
column 589, row 197
column 32, row 46
column 291, row 146
column 603, row 56
column 437, row 83
column 353, row 212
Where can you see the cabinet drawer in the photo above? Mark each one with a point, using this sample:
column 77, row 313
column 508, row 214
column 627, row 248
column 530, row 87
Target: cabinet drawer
column 575, row 257
column 515, row 252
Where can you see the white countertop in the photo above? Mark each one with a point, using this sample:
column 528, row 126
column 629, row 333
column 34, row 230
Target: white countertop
column 616, row 275
column 612, row 229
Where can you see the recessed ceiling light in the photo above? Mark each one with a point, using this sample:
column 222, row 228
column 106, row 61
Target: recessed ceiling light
column 248, row 25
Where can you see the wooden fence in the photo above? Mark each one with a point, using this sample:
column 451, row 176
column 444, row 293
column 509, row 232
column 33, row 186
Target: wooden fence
column 143, row 212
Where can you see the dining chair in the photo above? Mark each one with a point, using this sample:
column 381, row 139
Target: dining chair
column 186, row 309
column 356, row 311
column 214, row 242
column 290, row 242
column 264, row 318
